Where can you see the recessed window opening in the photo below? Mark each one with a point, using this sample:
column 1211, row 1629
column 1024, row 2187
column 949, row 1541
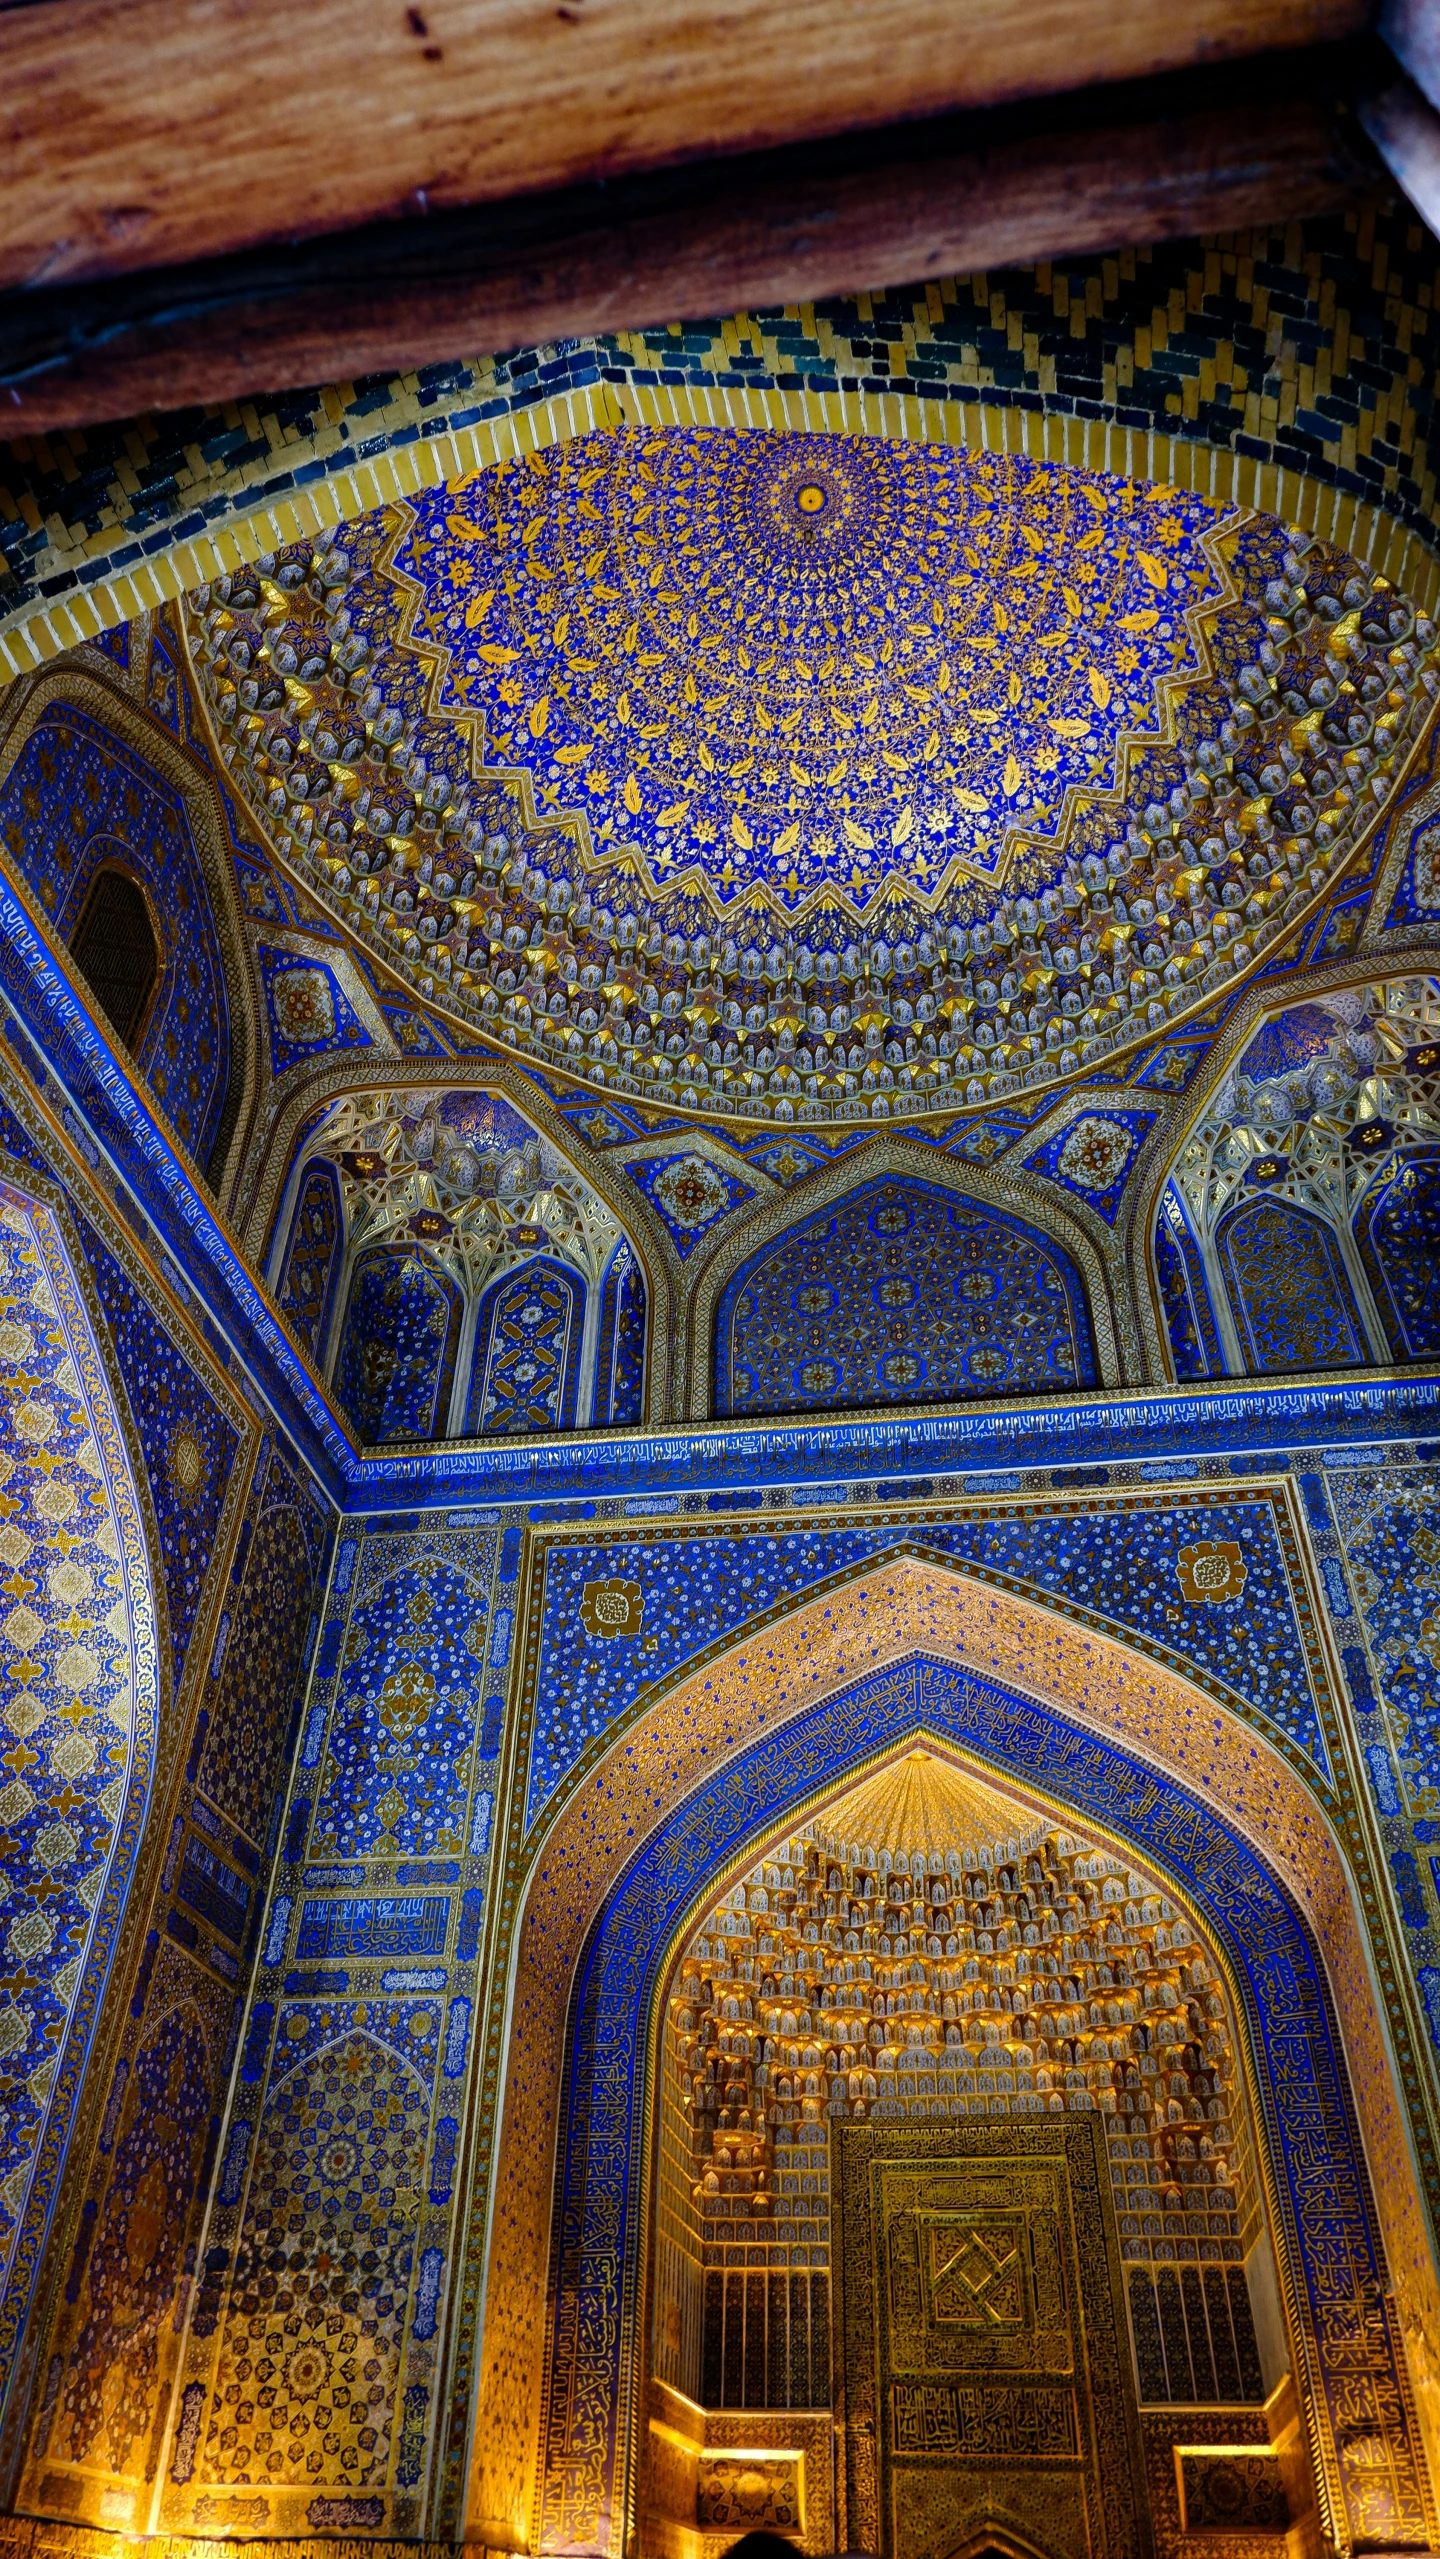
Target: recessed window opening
column 115, row 950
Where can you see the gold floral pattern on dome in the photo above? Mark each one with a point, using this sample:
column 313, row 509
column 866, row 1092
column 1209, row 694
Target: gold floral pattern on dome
column 428, row 757
column 788, row 663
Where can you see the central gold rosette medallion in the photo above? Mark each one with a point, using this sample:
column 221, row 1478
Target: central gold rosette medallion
column 791, row 664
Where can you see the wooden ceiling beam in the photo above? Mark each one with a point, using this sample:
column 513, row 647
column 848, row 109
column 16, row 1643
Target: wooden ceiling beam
column 142, row 133
column 1160, row 160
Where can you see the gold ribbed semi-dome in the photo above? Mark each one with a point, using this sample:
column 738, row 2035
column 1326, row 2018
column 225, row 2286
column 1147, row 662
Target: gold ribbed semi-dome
column 921, row 1805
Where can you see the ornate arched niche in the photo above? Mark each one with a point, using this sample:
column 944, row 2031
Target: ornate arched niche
column 966, row 1254
column 930, row 1949
column 901, row 1293
column 1293, row 1226
column 1088, row 1742
column 93, row 791
column 407, row 1205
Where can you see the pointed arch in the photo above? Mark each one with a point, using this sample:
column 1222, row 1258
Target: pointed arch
column 899, row 1294
column 313, row 1255
column 151, row 812
column 396, row 1360
column 290, row 1126
column 1066, row 1236
column 786, row 1720
column 1397, row 1227
column 620, row 1351
column 1290, row 1298
column 528, row 1335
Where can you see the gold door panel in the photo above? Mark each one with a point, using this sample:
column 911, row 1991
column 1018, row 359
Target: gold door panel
column 985, row 2380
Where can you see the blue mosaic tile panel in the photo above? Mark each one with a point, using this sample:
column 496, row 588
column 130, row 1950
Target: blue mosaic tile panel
column 189, row 1447
column 1398, row 1230
column 1184, row 1295
column 689, row 1192
column 708, row 1581
column 259, row 1663
column 397, row 1353
column 114, row 644
column 1093, row 1156
column 402, row 1727
column 527, row 1351
column 74, row 785
column 310, row 1013
column 207, row 1885
column 620, row 1371
column 901, row 1294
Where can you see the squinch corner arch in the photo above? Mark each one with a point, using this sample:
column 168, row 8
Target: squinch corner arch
column 1079, row 1724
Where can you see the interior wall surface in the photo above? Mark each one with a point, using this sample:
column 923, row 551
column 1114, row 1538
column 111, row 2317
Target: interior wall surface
column 484, row 1688
column 211, row 1596
column 442, row 1752
column 452, row 1796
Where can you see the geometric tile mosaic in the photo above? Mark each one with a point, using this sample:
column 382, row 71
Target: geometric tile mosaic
column 253, row 1700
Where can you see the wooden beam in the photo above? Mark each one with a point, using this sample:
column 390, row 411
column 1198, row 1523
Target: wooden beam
column 1218, row 151
column 140, row 133
column 1405, row 130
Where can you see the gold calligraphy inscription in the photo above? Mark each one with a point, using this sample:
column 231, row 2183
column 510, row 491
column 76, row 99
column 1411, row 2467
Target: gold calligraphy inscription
column 996, row 2425
column 1211, row 1571
column 608, row 1609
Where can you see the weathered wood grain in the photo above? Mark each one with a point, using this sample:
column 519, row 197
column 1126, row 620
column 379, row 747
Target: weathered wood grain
column 140, row 133
column 1258, row 145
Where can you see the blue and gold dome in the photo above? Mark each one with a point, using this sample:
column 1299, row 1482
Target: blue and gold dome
column 814, row 777
column 775, row 666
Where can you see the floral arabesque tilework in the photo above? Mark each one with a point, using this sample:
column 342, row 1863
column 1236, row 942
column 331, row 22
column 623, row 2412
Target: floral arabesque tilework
column 403, row 1723
column 1093, row 1155
column 188, row 1445
column 704, row 1583
column 79, row 1670
column 1388, row 1523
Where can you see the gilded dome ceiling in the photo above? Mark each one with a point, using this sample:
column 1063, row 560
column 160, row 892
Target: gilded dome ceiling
column 814, row 778
column 771, row 668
